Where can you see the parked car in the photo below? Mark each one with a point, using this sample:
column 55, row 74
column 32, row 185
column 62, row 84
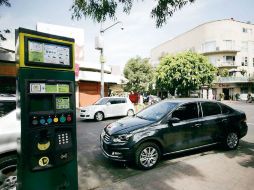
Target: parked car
column 7, row 103
column 172, row 126
column 108, row 107
column 151, row 99
column 9, row 133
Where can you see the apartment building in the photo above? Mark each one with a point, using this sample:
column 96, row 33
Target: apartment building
column 229, row 45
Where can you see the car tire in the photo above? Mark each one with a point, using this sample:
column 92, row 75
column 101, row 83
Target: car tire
column 231, row 140
column 8, row 171
column 130, row 112
column 99, row 116
column 147, row 155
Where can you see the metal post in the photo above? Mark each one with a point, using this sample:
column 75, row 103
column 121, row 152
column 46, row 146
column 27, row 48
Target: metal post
column 99, row 46
column 102, row 73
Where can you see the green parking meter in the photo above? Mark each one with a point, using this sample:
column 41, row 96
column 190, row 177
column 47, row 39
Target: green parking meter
column 47, row 152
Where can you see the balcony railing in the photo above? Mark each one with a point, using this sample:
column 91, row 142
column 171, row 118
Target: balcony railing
column 232, row 79
column 220, row 49
column 227, row 64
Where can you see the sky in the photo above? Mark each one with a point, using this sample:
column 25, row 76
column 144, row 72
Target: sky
column 139, row 35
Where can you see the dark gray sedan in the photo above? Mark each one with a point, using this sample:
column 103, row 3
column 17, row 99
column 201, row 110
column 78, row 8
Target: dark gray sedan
column 172, row 126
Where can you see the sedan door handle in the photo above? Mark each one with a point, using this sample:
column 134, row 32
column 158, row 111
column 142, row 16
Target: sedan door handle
column 224, row 120
column 196, row 125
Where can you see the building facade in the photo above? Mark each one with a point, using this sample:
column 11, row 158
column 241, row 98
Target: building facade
column 229, row 45
column 88, row 76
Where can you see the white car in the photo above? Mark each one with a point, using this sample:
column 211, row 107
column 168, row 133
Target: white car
column 108, row 107
column 9, row 134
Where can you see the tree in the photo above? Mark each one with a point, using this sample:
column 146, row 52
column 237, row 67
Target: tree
column 5, row 2
column 139, row 72
column 5, row 31
column 184, row 72
column 223, row 72
column 99, row 11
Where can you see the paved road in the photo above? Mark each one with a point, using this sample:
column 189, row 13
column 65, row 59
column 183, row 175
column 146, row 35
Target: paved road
column 211, row 168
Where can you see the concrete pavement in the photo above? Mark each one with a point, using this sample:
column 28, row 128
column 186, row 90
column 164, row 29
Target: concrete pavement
column 206, row 169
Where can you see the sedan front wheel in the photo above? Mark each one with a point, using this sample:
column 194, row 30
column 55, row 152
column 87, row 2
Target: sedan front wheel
column 147, row 155
column 99, row 116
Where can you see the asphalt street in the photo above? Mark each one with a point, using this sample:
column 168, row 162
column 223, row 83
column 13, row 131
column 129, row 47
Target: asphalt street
column 210, row 168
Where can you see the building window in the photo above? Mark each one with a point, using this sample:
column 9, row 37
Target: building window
column 247, row 30
column 209, row 46
column 244, row 90
column 229, row 44
column 244, row 46
column 244, row 61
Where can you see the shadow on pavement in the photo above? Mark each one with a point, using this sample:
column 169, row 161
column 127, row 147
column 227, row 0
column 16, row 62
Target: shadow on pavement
column 246, row 150
column 95, row 171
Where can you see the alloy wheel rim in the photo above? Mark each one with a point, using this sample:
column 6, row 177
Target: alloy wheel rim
column 8, row 177
column 232, row 140
column 148, row 157
column 99, row 116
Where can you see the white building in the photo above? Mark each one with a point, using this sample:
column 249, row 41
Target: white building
column 228, row 44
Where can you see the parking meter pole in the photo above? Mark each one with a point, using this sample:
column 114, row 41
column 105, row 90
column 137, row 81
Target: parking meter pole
column 47, row 152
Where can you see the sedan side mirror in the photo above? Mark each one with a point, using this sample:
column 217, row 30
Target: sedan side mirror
column 108, row 103
column 173, row 120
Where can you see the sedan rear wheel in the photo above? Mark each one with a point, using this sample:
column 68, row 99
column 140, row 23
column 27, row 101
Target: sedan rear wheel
column 147, row 155
column 98, row 116
column 231, row 141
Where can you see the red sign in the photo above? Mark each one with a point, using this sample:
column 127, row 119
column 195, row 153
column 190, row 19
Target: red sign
column 76, row 70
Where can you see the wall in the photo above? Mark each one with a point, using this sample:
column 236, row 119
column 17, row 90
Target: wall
column 89, row 92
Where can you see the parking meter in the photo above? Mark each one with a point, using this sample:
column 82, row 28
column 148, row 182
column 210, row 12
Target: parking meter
column 47, row 153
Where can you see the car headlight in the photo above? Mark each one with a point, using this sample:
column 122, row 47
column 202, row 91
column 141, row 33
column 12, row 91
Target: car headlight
column 121, row 138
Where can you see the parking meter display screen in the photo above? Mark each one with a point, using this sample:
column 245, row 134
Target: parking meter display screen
column 49, row 53
column 62, row 103
column 41, row 103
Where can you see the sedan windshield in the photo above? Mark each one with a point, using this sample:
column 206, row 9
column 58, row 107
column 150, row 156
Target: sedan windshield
column 101, row 101
column 157, row 111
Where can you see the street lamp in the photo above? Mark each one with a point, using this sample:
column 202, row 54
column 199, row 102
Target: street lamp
column 99, row 46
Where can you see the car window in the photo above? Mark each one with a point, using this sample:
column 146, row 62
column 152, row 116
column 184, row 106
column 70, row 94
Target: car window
column 115, row 101
column 157, row 111
column 210, row 108
column 186, row 111
column 123, row 100
column 101, row 101
column 225, row 109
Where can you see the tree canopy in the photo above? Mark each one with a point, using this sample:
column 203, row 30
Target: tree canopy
column 99, row 11
column 139, row 72
column 5, row 2
column 184, row 72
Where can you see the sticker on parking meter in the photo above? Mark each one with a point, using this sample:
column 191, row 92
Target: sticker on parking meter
column 51, row 88
column 44, row 161
column 62, row 103
column 63, row 88
column 37, row 87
